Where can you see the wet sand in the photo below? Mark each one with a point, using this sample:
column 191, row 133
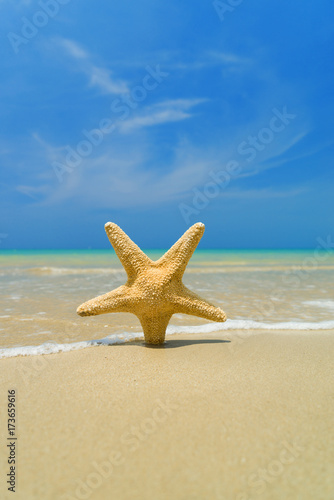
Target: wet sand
column 221, row 416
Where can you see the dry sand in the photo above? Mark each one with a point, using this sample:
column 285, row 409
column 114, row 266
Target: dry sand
column 198, row 419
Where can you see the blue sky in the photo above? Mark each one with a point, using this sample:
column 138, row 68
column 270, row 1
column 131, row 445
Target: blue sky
column 156, row 115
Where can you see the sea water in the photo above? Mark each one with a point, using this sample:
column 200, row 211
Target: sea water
column 258, row 290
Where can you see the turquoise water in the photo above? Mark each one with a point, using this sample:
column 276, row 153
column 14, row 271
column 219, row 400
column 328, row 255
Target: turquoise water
column 40, row 291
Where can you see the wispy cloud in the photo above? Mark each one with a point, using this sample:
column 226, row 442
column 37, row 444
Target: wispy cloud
column 257, row 194
column 98, row 76
column 279, row 156
column 172, row 110
column 227, row 58
column 187, row 61
column 118, row 177
column 33, row 192
column 73, row 48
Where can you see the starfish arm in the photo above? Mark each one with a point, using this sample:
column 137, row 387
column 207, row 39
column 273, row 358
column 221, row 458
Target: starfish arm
column 131, row 256
column 119, row 300
column 190, row 303
column 178, row 256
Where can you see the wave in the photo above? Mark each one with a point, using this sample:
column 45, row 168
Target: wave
column 232, row 324
column 53, row 347
column 323, row 303
column 203, row 268
column 248, row 324
column 72, row 270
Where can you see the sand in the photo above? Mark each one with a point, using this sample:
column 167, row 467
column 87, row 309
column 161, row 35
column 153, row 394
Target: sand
column 201, row 418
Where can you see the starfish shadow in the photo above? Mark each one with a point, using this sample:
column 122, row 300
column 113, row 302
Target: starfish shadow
column 172, row 344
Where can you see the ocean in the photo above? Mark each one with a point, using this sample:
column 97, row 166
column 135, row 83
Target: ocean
column 281, row 290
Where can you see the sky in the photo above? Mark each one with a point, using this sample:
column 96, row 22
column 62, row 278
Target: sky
column 156, row 115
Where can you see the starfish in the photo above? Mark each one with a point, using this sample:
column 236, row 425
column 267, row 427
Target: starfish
column 154, row 290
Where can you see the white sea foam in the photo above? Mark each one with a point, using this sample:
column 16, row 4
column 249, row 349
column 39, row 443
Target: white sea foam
column 54, row 347
column 232, row 324
column 248, row 324
column 323, row 303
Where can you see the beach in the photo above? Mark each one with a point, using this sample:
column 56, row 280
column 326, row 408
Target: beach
column 241, row 410
column 218, row 416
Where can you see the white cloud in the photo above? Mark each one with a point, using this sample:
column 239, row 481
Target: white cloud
column 73, row 48
column 173, row 110
column 98, row 76
column 154, row 118
column 227, row 58
column 181, row 103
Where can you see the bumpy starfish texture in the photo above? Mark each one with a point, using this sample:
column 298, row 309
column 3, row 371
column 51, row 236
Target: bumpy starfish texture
column 154, row 290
